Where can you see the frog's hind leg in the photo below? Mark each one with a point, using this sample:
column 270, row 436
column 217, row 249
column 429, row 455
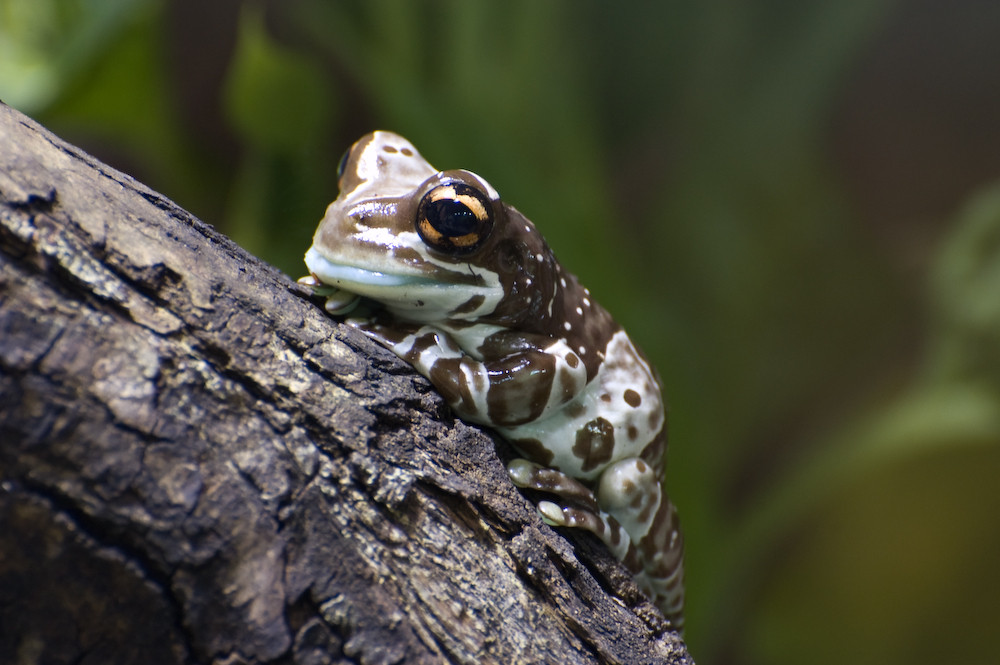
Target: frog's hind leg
column 662, row 554
column 629, row 513
column 630, row 491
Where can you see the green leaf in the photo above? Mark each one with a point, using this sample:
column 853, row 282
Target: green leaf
column 277, row 99
column 46, row 44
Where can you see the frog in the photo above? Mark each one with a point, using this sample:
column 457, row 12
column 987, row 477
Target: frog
column 436, row 267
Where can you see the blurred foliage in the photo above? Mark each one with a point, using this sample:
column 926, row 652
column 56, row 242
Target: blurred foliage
column 835, row 414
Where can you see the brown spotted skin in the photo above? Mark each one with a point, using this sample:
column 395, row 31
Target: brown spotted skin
column 463, row 287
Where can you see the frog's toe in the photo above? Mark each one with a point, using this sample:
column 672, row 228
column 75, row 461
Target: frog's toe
column 598, row 523
column 341, row 302
column 317, row 287
column 527, row 474
column 552, row 514
column 522, row 471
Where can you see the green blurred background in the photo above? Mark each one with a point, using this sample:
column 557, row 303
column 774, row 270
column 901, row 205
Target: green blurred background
column 793, row 205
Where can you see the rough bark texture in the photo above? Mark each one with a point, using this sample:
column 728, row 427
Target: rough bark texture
column 197, row 465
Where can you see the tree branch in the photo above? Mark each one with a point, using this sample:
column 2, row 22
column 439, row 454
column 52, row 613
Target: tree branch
column 198, row 465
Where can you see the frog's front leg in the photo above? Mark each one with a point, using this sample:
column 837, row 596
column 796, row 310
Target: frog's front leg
column 338, row 301
column 584, row 512
column 514, row 387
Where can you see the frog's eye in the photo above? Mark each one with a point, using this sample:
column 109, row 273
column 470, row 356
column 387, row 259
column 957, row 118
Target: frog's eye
column 454, row 218
column 342, row 165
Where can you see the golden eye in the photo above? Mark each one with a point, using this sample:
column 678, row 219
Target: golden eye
column 454, row 218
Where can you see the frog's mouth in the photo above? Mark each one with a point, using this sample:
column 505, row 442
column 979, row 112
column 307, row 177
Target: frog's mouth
column 411, row 297
column 345, row 286
column 359, row 280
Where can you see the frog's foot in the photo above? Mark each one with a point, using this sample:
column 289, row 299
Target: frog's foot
column 338, row 301
column 585, row 515
column 666, row 590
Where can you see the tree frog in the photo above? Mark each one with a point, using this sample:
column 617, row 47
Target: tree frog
column 463, row 287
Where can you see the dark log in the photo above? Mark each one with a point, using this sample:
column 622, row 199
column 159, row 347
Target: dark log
column 197, row 465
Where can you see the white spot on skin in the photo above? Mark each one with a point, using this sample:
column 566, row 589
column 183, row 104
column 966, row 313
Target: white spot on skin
column 586, row 302
column 562, row 281
column 582, row 350
column 381, row 237
column 527, row 228
column 579, row 310
column 539, row 258
column 567, row 325
column 527, row 281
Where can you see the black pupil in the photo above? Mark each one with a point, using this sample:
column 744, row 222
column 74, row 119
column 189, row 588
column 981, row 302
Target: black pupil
column 451, row 218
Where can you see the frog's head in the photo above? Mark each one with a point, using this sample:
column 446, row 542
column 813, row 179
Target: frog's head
column 430, row 245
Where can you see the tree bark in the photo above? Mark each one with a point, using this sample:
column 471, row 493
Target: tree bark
column 197, row 465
